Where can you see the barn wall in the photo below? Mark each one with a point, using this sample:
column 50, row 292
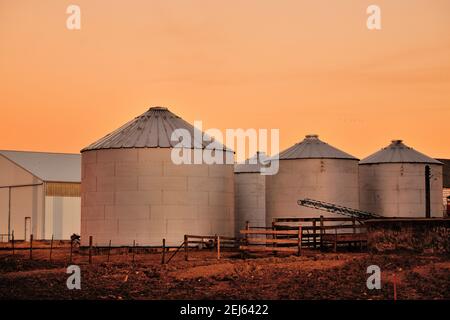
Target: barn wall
column 13, row 175
column 4, row 199
column 27, row 202
column 62, row 217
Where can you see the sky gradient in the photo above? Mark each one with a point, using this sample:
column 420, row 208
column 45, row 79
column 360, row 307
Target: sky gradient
column 303, row 66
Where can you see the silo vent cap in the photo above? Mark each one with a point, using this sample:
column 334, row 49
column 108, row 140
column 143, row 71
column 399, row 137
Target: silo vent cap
column 158, row 108
column 312, row 136
column 397, row 141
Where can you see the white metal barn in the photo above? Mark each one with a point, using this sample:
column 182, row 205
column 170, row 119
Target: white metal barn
column 250, row 193
column 39, row 195
column 133, row 191
column 311, row 169
column 392, row 182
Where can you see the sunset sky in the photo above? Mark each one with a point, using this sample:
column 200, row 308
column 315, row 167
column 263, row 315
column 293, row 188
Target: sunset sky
column 303, row 66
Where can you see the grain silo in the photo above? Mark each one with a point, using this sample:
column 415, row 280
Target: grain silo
column 250, row 189
column 311, row 169
column 133, row 191
column 393, row 182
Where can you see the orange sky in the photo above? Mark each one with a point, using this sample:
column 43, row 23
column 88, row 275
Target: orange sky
column 303, row 66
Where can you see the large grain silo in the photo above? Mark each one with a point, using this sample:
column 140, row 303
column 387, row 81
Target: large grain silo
column 311, row 169
column 250, row 193
column 132, row 191
column 393, row 182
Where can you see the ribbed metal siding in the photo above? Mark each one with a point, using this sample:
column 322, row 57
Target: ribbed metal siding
column 62, row 189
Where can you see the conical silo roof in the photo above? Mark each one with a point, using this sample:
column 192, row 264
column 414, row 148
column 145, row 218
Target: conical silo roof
column 152, row 129
column 398, row 152
column 313, row 148
column 248, row 166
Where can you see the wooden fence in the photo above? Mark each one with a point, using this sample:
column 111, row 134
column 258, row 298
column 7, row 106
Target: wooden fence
column 325, row 231
column 210, row 242
column 289, row 241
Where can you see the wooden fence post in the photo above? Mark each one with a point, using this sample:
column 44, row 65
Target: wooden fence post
column 90, row 249
column 186, row 247
column 51, row 249
column 218, row 247
column 12, row 243
column 354, row 231
column 321, row 233
column 245, row 242
column 109, row 250
column 314, row 233
column 31, row 247
column 71, row 250
column 274, row 236
column 300, row 237
column 247, row 227
column 163, row 259
column 335, row 240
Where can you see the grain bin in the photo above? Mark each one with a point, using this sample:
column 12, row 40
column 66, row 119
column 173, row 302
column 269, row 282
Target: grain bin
column 250, row 189
column 392, row 182
column 132, row 191
column 311, row 169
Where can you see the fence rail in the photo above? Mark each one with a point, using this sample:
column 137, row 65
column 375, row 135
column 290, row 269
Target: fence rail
column 217, row 242
column 326, row 231
column 271, row 242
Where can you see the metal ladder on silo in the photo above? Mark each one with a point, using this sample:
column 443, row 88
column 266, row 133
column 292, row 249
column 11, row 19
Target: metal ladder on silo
column 334, row 208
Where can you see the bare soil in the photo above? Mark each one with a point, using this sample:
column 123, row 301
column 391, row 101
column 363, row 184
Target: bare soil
column 313, row 276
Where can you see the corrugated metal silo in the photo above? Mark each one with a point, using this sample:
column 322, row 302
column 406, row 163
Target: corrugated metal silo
column 392, row 182
column 131, row 189
column 250, row 189
column 311, row 169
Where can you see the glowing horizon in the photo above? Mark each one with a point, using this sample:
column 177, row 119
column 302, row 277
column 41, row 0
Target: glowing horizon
column 301, row 66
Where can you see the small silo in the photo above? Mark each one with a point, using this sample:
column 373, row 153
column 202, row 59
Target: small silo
column 250, row 192
column 393, row 182
column 311, row 169
column 133, row 191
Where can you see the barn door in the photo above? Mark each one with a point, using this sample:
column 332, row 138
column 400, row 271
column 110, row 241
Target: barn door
column 27, row 228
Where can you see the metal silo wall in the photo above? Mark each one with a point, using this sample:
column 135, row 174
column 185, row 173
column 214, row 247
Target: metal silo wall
column 250, row 200
column 398, row 189
column 330, row 180
column 139, row 194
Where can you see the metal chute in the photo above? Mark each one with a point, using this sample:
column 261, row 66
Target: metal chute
column 334, row 208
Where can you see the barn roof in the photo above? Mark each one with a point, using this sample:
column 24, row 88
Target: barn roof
column 51, row 167
column 445, row 172
column 152, row 129
column 398, row 152
column 314, row 148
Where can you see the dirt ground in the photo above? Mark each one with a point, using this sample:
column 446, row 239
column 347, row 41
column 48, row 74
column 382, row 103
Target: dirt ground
column 313, row 276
